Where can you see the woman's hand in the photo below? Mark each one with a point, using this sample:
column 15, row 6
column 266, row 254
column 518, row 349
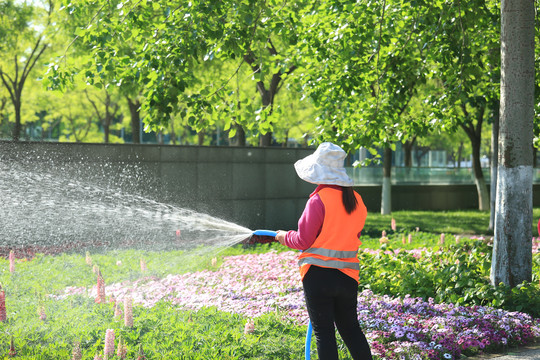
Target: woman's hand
column 280, row 236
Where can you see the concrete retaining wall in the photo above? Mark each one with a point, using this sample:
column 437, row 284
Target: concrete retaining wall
column 254, row 187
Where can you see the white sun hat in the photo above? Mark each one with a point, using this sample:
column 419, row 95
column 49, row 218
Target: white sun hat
column 324, row 166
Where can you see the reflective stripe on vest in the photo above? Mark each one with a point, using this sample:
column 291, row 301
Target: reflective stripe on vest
column 332, row 253
column 335, row 264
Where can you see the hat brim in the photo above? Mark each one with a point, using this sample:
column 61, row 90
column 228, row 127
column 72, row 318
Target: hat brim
column 315, row 173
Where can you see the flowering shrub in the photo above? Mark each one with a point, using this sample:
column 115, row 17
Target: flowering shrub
column 458, row 273
column 257, row 284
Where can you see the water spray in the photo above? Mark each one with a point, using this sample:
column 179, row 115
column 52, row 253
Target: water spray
column 272, row 234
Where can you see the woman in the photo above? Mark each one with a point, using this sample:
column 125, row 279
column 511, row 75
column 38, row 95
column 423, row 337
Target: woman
column 328, row 235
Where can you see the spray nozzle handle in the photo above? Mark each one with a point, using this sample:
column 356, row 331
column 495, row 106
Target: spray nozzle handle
column 265, row 233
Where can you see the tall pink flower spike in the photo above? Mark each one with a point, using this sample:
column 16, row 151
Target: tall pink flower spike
column 11, row 261
column 128, row 311
column 143, row 265
column 88, row 259
column 3, row 314
column 108, row 351
column 121, row 351
column 76, row 353
column 42, row 314
column 250, row 327
column 100, row 298
column 117, row 310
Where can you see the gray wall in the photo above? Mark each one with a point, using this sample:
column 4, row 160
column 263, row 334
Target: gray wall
column 254, row 187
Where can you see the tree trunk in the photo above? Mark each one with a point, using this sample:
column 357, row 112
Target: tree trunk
column 134, row 106
column 473, row 129
column 459, row 154
column 266, row 139
column 16, row 135
column 494, row 163
column 240, row 135
column 479, row 179
column 267, row 98
column 512, row 249
column 407, row 151
column 106, row 131
column 173, row 132
column 267, row 95
column 386, row 194
column 200, row 138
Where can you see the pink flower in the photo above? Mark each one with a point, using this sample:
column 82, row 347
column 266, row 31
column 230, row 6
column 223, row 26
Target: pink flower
column 11, row 261
column 100, row 298
column 121, row 352
column 250, row 327
column 12, row 352
column 141, row 353
column 128, row 311
column 441, row 242
column 143, row 265
column 42, row 314
column 88, row 259
column 109, row 344
column 393, row 224
column 409, row 239
column 3, row 315
column 76, row 354
column 117, row 311
column 97, row 357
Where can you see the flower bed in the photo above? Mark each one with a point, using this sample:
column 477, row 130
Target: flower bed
column 255, row 284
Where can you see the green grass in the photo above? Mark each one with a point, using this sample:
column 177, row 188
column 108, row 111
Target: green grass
column 470, row 222
column 167, row 332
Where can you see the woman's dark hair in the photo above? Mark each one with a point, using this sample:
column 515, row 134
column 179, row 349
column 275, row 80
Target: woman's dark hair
column 349, row 199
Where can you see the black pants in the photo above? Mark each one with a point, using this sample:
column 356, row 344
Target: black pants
column 331, row 297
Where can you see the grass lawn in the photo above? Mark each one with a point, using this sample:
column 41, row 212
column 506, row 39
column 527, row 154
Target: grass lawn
column 470, row 222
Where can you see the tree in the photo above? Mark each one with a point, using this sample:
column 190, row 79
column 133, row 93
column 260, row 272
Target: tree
column 4, row 111
column 166, row 41
column 23, row 45
column 362, row 64
column 74, row 116
column 512, row 248
column 105, row 109
column 467, row 61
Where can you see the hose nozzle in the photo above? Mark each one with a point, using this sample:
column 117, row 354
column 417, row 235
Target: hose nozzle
column 261, row 237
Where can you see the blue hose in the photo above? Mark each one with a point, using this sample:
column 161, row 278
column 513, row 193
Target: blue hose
column 265, row 233
column 309, row 329
column 308, row 341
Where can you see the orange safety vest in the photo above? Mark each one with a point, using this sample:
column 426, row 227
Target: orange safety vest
column 337, row 244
